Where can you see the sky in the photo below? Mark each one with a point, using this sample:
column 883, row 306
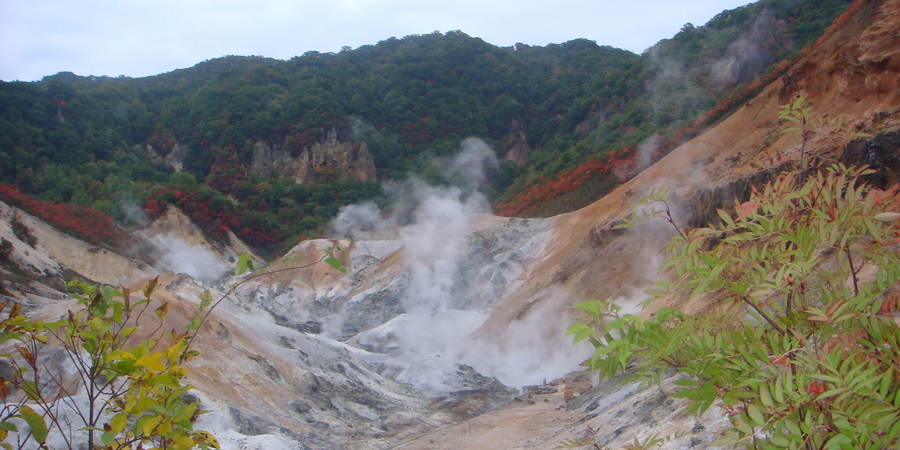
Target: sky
column 138, row 38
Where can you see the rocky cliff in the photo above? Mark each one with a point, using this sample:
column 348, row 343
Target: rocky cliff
column 343, row 160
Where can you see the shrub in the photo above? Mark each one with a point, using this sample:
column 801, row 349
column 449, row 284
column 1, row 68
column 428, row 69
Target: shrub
column 128, row 368
column 6, row 249
column 802, row 343
column 22, row 231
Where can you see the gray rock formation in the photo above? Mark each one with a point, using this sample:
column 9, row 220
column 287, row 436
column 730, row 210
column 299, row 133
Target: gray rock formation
column 174, row 158
column 750, row 53
column 346, row 160
column 515, row 144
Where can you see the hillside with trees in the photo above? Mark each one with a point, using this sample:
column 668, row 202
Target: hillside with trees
column 587, row 116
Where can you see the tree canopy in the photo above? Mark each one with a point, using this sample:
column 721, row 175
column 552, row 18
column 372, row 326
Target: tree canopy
column 586, row 110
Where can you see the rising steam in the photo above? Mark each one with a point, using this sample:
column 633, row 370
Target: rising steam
column 434, row 225
column 197, row 261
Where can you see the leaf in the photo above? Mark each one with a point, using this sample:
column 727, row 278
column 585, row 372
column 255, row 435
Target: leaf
column 167, row 381
column 579, row 332
column 26, row 354
column 887, row 216
column 244, row 263
column 35, row 423
column 755, row 415
column 746, row 209
column 120, row 355
column 109, row 292
column 205, row 299
column 336, row 263
column 765, row 397
column 118, row 422
column 209, row 438
column 161, row 311
column 31, row 390
column 150, row 424
column 151, row 362
column 151, row 286
column 107, row 437
column 195, row 324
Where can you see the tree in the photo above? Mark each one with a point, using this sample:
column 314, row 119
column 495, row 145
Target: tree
column 127, row 391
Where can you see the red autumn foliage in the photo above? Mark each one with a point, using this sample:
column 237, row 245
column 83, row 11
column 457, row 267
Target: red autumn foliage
column 621, row 165
column 153, row 208
column 227, row 175
column 81, row 221
column 214, row 221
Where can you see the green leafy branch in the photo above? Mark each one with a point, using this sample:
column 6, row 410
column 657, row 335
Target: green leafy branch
column 799, row 348
column 658, row 195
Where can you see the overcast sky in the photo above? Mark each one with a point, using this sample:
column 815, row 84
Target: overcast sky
column 138, row 38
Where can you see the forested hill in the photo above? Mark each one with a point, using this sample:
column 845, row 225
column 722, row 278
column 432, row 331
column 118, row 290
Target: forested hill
column 571, row 120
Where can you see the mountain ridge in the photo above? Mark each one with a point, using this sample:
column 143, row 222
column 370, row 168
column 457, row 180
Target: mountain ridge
column 410, row 100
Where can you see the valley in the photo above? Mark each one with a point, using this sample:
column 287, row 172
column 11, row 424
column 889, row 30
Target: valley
column 448, row 329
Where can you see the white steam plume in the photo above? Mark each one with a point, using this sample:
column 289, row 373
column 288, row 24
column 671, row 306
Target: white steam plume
column 434, row 228
column 531, row 349
column 133, row 210
column 645, row 151
column 195, row 260
column 360, row 220
column 469, row 169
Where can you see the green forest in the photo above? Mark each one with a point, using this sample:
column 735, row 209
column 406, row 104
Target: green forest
column 592, row 116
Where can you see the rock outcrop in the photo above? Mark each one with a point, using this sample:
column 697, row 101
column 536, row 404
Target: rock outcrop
column 174, row 158
column 343, row 160
column 749, row 55
column 515, row 144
